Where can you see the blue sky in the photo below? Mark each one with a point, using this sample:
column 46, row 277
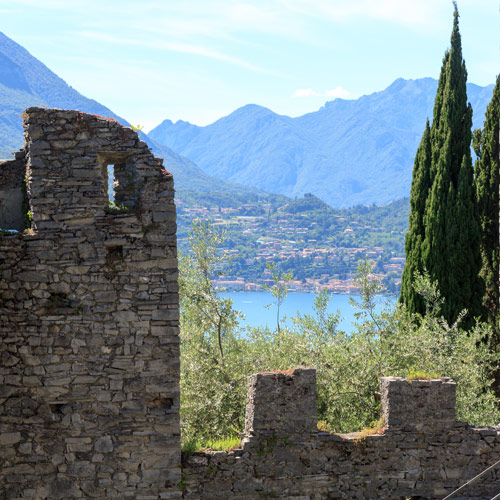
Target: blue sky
column 198, row 60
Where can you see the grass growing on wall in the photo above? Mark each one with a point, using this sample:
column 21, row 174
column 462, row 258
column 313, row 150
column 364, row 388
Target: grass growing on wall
column 225, row 444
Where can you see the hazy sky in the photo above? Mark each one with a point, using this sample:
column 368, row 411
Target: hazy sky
column 198, row 60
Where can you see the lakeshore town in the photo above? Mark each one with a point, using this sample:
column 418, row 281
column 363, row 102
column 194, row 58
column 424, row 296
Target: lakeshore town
column 319, row 259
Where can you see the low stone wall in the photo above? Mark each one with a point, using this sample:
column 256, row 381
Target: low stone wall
column 89, row 352
column 423, row 453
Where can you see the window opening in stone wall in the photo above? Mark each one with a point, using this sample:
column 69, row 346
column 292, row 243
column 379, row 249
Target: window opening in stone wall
column 121, row 183
column 15, row 213
column 113, row 190
column 111, row 185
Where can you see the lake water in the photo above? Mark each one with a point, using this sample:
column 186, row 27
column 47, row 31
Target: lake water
column 252, row 305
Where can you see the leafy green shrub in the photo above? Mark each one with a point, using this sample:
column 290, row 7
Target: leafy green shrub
column 217, row 355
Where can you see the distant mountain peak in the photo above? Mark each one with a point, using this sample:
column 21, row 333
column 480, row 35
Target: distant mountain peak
column 251, row 110
column 349, row 152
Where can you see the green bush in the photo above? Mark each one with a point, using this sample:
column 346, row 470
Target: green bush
column 217, row 355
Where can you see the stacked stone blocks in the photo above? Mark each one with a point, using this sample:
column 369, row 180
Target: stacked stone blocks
column 422, row 453
column 89, row 355
column 291, row 397
column 89, row 374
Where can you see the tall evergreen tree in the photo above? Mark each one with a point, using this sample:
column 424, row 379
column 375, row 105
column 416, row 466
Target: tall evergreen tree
column 487, row 185
column 420, row 186
column 449, row 250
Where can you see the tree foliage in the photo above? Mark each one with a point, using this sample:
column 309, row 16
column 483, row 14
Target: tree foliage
column 209, row 380
column 446, row 234
column 415, row 237
column 487, row 170
column 279, row 289
column 349, row 366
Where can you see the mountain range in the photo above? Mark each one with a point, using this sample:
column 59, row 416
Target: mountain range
column 25, row 82
column 348, row 152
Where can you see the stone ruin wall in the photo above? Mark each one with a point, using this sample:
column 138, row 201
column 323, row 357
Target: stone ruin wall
column 89, row 357
column 423, row 453
column 89, row 353
column 12, row 192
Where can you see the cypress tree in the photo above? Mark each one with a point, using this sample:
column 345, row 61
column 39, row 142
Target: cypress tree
column 420, row 185
column 449, row 249
column 487, row 169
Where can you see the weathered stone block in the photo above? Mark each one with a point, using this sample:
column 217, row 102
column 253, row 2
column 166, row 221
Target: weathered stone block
column 9, row 438
column 282, row 402
column 418, row 404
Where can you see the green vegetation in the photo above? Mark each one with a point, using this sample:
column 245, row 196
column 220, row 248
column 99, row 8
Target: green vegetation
column 114, row 209
column 217, row 355
column 304, row 236
column 487, row 185
column 420, row 375
column 415, row 237
column 445, row 231
column 210, row 389
column 211, row 444
column 279, row 288
column 375, row 427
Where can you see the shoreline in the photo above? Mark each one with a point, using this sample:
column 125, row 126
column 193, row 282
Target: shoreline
column 330, row 292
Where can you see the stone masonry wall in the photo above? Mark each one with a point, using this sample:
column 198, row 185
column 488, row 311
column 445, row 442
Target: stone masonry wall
column 89, row 352
column 423, row 453
column 12, row 194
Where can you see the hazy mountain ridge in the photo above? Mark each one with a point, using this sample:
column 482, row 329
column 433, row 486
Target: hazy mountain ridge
column 348, row 152
column 25, row 82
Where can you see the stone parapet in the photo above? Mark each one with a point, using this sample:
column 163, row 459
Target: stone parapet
column 281, row 403
column 422, row 452
column 418, row 405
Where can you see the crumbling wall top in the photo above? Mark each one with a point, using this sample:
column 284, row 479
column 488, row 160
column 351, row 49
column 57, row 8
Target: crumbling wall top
column 421, row 452
column 285, row 403
column 69, row 154
column 89, row 318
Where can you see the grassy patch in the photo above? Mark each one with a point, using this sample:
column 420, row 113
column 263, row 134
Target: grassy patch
column 421, row 375
column 323, row 426
column 376, row 427
column 225, row 444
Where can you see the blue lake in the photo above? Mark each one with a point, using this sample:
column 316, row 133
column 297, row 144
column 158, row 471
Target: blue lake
column 252, row 305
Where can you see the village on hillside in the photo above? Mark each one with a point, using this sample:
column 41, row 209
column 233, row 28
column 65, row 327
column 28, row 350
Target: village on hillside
column 320, row 246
